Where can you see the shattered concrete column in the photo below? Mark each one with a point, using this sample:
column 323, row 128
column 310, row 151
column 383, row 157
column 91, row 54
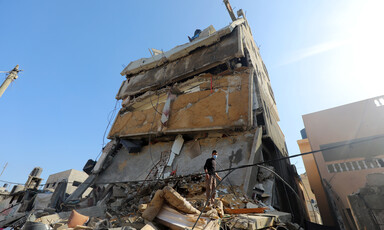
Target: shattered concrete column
column 176, row 148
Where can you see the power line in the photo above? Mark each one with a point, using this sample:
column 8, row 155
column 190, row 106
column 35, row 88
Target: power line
column 111, row 115
column 9, row 182
column 242, row 166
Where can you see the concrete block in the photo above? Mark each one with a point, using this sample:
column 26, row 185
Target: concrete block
column 118, row 192
column 252, row 222
column 94, row 211
column 117, row 203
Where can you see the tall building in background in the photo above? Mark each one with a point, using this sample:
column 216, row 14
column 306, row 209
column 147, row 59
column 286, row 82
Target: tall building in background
column 350, row 144
column 310, row 200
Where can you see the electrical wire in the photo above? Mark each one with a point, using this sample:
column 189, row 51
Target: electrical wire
column 289, row 186
column 111, row 115
column 208, row 198
column 150, row 98
column 345, row 160
column 231, row 187
column 261, row 166
column 150, row 130
column 9, row 182
column 241, row 166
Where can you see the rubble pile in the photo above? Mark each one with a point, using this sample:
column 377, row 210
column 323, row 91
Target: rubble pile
column 173, row 203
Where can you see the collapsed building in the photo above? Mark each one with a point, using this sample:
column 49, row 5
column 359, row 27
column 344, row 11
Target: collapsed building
column 177, row 106
column 13, row 204
column 213, row 93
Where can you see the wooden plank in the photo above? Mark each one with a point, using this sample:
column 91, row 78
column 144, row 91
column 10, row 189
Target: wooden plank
column 244, row 210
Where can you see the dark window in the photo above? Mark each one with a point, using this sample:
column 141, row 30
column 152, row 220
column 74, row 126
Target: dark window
column 19, row 199
column 76, row 183
column 337, row 166
column 354, row 163
column 368, row 164
column 375, row 164
column 331, row 169
column 54, row 184
column 349, row 166
column 343, row 167
column 361, row 164
column 381, row 162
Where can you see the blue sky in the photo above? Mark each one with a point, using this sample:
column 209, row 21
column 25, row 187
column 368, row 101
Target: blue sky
column 319, row 54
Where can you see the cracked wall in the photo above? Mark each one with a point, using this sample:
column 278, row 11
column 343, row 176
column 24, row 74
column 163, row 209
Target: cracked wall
column 225, row 106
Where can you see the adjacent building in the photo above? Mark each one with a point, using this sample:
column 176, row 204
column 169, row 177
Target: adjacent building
column 73, row 178
column 310, row 200
column 349, row 145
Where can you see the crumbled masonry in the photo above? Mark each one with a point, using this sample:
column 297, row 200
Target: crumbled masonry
column 175, row 203
column 213, row 92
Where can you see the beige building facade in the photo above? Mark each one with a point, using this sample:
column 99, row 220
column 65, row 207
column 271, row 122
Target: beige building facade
column 349, row 145
column 73, row 177
column 310, row 200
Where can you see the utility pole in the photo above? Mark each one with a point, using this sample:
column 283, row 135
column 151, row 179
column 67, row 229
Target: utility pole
column 12, row 75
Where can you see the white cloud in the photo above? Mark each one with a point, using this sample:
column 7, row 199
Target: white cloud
column 311, row 51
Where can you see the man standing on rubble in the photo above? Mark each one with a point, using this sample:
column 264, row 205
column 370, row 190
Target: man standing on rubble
column 210, row 177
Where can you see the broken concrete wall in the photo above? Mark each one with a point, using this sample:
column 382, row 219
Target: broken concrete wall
column 233, row 151
column 264, row 93
column 198, row 61
column 265, row 116
column 180, row 51
column 198, row 108
column 260, row 70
